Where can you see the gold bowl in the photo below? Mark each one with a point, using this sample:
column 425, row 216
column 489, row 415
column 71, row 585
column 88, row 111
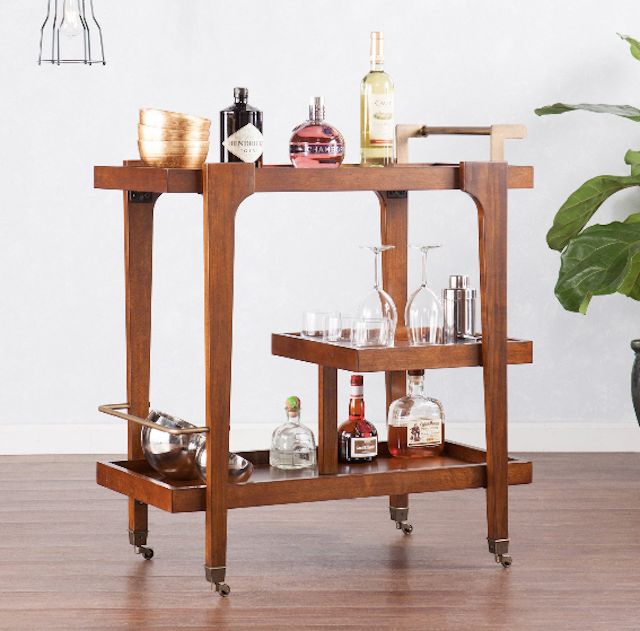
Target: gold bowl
column 174, row 120
column 145, row 132
column 173, row 153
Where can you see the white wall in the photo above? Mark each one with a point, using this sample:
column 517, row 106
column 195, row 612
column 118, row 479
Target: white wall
column 457, row 62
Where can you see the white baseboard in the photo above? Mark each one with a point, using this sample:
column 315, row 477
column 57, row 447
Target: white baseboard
column 110, row 438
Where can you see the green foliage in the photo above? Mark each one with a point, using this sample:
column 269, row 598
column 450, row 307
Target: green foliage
column 600, row 259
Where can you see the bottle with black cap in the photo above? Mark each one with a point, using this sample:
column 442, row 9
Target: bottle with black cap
column 241, row 130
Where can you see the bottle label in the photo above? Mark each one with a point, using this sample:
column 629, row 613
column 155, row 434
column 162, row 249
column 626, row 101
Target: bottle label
column 422, row 432
column 364, row 447
column 381, row 124
column 246, row 143
column 356, row 392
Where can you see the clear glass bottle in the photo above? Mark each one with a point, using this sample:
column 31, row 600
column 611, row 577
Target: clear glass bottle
column 315, row 143
column 415, row 422
column 377, row 124
column 357, row 438
column 293, row 445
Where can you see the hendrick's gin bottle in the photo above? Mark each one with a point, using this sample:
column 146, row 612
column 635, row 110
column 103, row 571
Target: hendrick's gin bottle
column 241, row 131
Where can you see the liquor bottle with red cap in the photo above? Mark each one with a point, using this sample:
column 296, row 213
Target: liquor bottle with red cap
column 357, row 438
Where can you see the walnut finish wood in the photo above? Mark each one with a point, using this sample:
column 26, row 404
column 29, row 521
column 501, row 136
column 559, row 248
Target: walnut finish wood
column 138, row 244
column 460, row 467
column 327, row 420
column 280, row 178
column 487, row 185
column 225, row 188
column 400, row 358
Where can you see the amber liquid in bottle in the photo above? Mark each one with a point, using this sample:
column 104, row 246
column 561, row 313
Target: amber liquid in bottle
column 357, row 438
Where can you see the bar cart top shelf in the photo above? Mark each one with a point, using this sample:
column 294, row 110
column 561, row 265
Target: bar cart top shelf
column 133, row 176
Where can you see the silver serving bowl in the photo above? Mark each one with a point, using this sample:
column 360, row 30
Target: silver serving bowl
column 172, row 456
column 240, row 469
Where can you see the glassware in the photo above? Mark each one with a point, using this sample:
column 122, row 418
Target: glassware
column 293, row 445
column 423, row 313
column 370, row 332
column 71, row 25
column 378, row 303
column 415, row 422
column 315, row 143
column 241, row 130
column 332, row 329
column 357, row 438
column 377, row 129
column 348, row 325
column 313, row 324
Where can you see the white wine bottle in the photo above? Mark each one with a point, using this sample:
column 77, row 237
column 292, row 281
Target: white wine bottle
column 377, row 124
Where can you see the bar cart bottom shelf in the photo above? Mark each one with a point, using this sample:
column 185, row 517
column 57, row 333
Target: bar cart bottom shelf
column 460, row 467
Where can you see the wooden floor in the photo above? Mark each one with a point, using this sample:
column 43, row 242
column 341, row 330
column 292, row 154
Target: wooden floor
column 65, row 561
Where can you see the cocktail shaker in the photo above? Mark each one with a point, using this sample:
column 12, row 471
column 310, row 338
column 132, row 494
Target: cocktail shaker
column 459, row 302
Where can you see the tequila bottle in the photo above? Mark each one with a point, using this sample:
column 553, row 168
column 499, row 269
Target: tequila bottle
column 293, row 445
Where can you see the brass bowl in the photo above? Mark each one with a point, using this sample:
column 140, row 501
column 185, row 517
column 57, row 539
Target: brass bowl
column 173, row 120
column 167, row 133
column 174, row 153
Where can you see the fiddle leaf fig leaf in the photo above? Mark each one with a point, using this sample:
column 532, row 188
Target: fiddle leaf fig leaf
column 626, row 111
column 574, row 214
column 604, row 259
column 632, row 158
column 634, row 45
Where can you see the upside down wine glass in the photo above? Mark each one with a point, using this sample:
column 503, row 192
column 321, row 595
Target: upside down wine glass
column 378, row 304
column 423, row 313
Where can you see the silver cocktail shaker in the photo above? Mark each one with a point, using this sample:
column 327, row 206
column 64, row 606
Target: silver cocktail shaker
column 459, row 302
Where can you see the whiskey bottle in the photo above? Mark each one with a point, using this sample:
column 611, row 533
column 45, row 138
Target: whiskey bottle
column 293, row 445
column 415, row 422
column 377, row 127
column 241, row 131
column 357, row 438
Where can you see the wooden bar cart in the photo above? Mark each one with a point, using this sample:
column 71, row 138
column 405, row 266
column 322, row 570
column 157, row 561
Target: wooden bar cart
column 224, row 187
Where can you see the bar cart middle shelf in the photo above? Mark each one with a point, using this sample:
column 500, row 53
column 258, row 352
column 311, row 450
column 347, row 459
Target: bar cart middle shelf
column 224, row 187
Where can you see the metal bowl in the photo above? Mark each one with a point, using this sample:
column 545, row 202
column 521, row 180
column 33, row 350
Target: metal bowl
column 240, row 469
column 172, row 456
column 173, row 153
column 162, row 118
column 145, row 132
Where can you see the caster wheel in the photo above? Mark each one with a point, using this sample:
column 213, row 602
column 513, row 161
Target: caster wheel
column 505, row 560
column 407, row 529
column 223, row 589
column 147, row 553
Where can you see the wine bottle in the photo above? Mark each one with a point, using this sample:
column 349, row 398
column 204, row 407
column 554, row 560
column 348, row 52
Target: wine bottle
column 377, row 125
column 241, row 131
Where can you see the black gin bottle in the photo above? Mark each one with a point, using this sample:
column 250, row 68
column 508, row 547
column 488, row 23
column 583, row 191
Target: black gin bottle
column 241, row 131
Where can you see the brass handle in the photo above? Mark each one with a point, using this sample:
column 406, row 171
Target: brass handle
column 498, row 133
column 113, row 410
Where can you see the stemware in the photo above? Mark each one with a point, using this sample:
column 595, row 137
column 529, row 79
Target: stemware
column 378, row 303
column 423, row 313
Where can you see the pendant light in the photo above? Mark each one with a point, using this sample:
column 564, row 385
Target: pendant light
column 66, row 34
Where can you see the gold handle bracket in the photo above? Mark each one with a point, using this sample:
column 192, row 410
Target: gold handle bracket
column 113, row 409
column 498, row 134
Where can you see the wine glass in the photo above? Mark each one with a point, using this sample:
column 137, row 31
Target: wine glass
column 378, row 303
column 423, row 314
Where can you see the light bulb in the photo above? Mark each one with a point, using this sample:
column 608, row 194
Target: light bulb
column 71, row 22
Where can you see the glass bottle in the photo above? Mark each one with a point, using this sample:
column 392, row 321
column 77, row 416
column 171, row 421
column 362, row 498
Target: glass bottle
column 357, row 438
column 316, row 143
column 241, row 130
column 415, row 422
column 293, row 445
column 377, row 126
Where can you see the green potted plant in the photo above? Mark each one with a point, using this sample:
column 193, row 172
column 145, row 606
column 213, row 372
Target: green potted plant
column 602, row 258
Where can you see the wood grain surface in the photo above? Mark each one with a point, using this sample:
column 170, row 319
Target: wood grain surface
column 67, row 565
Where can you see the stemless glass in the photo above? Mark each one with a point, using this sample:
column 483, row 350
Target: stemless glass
column 423, row 313
column 378, row 303
column 332, row 330
column 314, row 324
column 371, row 332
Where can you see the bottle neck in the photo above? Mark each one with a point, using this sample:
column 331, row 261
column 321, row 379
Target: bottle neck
column 376, row 64
column 416, row 386
column 356, row 404
column 293, row 417
column 240, row 102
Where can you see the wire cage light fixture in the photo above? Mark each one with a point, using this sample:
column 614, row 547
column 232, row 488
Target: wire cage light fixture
column 66, row 34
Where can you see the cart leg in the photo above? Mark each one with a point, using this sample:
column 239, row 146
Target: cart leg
column 138, row 239
column 225, row 186
column 487, row 184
